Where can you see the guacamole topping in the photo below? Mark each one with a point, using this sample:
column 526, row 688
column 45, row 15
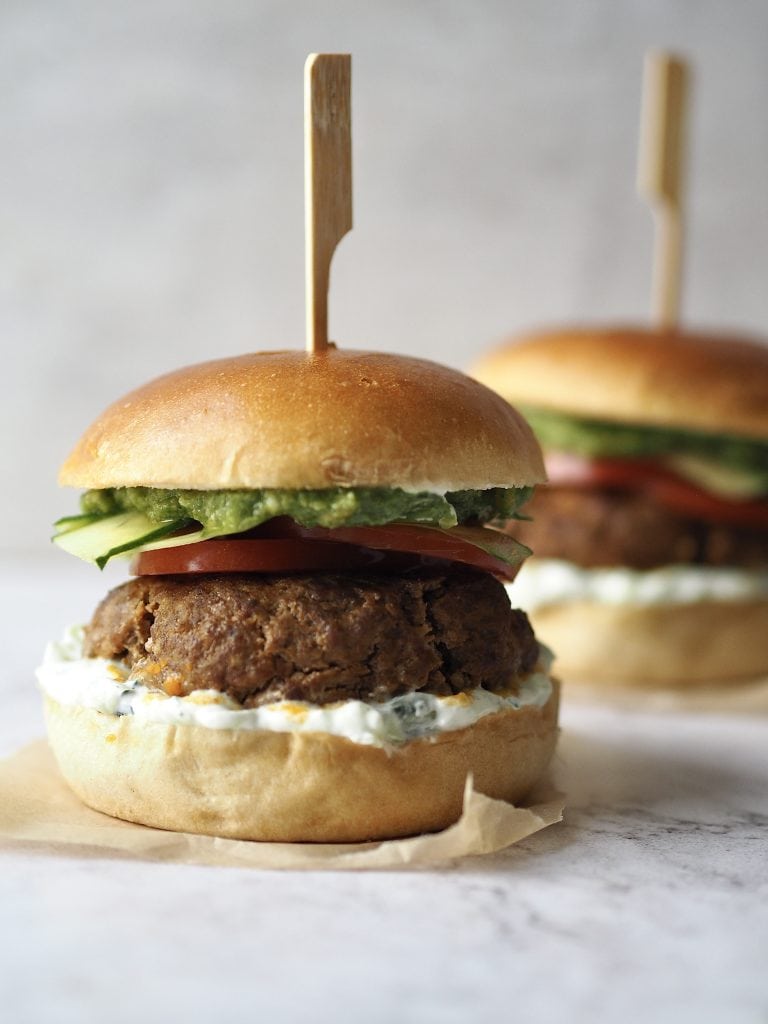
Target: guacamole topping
column 597, row 438
column 237, row 511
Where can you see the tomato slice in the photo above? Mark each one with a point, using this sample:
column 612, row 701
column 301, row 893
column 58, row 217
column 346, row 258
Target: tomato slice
column 689, row 500
column 481, row 546
column 244, row 555
column 665, row 486
column 282, row 546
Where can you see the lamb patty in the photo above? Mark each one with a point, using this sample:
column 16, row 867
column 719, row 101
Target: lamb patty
column 317, row 638
column 601, row 527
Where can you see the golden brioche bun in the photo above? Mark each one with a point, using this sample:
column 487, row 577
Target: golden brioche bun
column 296, row 420
column 657, row 646
column 294, row 787
column 715, row 384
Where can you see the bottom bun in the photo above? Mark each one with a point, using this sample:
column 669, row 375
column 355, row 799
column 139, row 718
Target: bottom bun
column 294, row 787
column 656, row 646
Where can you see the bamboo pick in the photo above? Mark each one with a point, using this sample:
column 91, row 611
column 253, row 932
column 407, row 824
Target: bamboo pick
column 327, row 180
column 660, row 177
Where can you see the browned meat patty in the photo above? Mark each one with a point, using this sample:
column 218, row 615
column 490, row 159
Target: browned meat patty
column 318, row 638
column 593, row 527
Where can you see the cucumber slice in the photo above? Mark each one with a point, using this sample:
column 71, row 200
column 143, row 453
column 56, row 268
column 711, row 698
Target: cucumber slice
column 67, row 523
column 98, row 541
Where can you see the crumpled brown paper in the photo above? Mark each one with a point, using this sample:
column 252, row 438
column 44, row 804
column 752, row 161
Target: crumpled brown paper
column 38, row 810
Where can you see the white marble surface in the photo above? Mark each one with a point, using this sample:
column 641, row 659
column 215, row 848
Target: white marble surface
column 647, row 904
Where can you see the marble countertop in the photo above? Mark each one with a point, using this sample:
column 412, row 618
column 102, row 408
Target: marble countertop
column 648, row 903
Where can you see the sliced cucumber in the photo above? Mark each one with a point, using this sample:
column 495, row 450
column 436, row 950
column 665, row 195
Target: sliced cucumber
column 98, row 541
column 67, row 523
column 495, row 543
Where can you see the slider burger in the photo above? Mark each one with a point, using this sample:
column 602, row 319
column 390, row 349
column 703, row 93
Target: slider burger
column 316, row 643
column 651, row 541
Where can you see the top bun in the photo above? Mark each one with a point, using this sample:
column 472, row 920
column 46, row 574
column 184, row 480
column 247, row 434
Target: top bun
column 656, row 378
column 299, row 420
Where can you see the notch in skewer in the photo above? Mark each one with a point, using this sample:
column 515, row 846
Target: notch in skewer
column 327, row 180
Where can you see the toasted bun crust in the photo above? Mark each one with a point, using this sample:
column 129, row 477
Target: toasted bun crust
column 658, row 646
column 293, row 787
column 693, row 381
column 295, row 420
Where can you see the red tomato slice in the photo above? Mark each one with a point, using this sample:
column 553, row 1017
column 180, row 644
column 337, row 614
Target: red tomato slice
column 667, row 487
column 689, row 500
column 244, row 555
column 282, row 546
column 485, row 548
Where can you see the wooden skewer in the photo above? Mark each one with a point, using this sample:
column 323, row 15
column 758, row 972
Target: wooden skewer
column 660, row 177
column 327, row 180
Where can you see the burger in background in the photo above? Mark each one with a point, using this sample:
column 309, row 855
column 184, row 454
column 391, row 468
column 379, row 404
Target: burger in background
column 651, row 540
column 317, row 644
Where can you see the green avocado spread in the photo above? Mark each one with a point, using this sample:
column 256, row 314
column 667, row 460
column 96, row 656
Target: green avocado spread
column 236, row 511
column 623, row 440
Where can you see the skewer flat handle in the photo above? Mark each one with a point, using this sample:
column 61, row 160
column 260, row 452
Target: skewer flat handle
column 660, row 176
column 327, row 180
column 662, row 142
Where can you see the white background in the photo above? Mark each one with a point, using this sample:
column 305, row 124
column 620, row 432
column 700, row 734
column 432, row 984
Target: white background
column 151, row 188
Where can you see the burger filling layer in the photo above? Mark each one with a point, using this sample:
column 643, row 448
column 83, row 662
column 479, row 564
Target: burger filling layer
column 124, row 520
column 609, row 439
column 640, row 497
column 107, row 686
column 598, row 527
column 317, row 638
column 547, row 581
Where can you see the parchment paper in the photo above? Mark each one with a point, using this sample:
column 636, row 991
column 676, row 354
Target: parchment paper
column 38, row 810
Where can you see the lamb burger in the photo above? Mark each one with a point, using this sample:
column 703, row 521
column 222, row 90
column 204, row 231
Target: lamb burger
column 651, row 540
column 316, row 643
